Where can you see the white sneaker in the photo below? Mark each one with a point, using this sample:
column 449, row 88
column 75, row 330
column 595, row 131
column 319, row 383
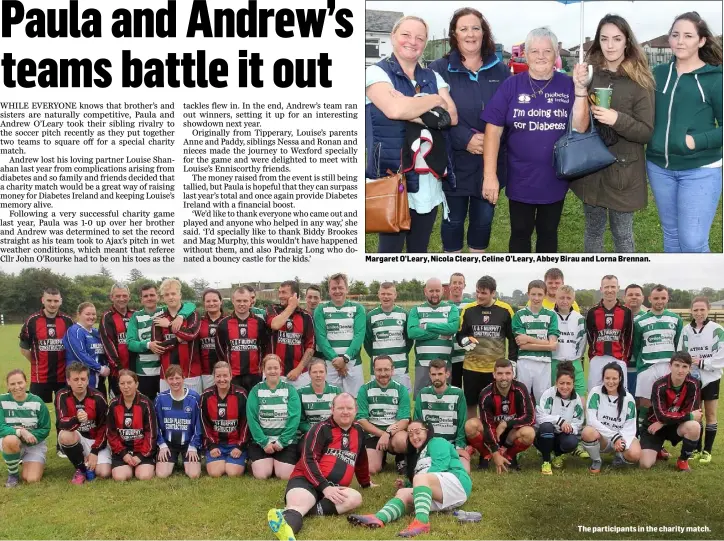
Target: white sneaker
column 61, row 454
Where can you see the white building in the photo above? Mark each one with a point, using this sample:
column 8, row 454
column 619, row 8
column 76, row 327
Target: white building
column 378, row 25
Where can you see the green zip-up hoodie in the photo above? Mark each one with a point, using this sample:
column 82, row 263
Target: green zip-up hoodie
column 686, row 104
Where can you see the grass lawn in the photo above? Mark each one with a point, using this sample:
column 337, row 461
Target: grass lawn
column 524, row 505
column 647, row 230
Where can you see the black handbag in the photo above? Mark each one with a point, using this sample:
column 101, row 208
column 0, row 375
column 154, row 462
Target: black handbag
column 576, row 155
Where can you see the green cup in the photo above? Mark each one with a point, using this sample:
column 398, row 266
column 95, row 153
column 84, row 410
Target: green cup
column 602, row 97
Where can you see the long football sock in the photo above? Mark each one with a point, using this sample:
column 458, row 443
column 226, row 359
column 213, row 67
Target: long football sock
column 709, row 435
column 593, row 448
column 12, row 460
column 422, row 496
column 687, row 447
column 517, row 447
column 391, row 511
column 294, row 519
column 75, row 455
column 477, row 444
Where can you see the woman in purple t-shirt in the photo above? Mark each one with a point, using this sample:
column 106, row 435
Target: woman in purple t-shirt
column 533, row 107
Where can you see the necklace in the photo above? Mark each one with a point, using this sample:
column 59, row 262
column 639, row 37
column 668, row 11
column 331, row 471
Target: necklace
column 537, row 89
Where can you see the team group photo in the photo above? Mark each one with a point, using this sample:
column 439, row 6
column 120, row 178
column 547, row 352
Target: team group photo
column 469, row 394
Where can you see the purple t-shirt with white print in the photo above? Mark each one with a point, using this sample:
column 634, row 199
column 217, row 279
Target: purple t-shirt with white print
column 534, row 124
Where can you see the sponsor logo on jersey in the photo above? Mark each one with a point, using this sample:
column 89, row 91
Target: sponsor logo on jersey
column 208, row 343
column 51, row 331
column 609, row 321
column 346, row 456
column 128, row 421
column 128, row 434
column 289, row 338
column 225, row 426
column 121, row 338
column 243, row 344
column 242, row 330
column 290, row 325
column 345, row 441
column 222, row 411
column 50, row 344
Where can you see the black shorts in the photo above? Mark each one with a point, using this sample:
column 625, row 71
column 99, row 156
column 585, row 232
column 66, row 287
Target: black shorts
column 176, row 452
column 473, row 384
column 149, row 386
column 656, row 441
column 711, row 390
column 323, row 507
column 117, row 461
column 457, row 375
column 288, row 455
column 247, row 381
column 372, row 441
column 46, row 391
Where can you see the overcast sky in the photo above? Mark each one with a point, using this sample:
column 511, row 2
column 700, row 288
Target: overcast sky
column 693, row 272
column 511, row 21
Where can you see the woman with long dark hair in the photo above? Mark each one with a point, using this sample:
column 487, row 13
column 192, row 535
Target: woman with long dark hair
column 474, row 73
column 613, row 194
column 685, row 154
column 611, row 421
column 436, row 481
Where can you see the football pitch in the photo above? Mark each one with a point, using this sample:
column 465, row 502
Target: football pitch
column 570, row 504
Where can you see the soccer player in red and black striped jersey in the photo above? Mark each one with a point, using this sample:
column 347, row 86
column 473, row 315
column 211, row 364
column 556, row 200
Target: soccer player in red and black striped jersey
column 206, row 338
column 180, row 347
column 609, row 327
column 242, row 340
column 112, row 329
column 81, row 413
column 507, row 418
column 41, row 343
column 132, row 431
column 675, row 414
column 333, row 453
column 223, row 419
column 292, row 334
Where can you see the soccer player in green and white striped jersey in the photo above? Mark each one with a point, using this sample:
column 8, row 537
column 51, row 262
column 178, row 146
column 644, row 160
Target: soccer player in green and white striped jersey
column 457, row 286
column 339, row 332
column 273, row 411
column 24, row 427
column 536, row 333
column 633, row 297
column 316, row 397
column 656, row 335
column 432, row 325
column 387, row 334
column 443, row 406
column 261, row 312
column 383, row 411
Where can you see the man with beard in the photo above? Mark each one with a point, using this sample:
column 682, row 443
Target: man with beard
column 432, row 325
column 443, row 406
column 507, row 416
column 333, row 452
column 292, row 334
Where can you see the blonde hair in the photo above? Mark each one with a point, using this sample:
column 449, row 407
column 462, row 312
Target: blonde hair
column 82, row 306
column 567, row 289
column 271, row 357
column 167, row 284
column 411, row 18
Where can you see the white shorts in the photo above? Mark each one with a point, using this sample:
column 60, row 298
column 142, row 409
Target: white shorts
column 350, row 383
column 595, row 370
column 453, row 493
column 31, row 453
column 535, row 375
column 645, row 380
column 207, row 381
column 104, row 455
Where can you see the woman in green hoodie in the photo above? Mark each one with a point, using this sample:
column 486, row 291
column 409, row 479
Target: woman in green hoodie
column 684, row 157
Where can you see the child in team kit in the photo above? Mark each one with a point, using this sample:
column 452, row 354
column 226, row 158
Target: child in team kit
column 559, row 419
column 572, row 338
column 536, row 333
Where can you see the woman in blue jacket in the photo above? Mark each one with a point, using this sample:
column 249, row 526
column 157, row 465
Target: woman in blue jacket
column 83, row 343
column 474, row 73
column 399, row 90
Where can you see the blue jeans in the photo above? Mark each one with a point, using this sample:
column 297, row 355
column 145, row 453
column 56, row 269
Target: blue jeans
column 481, row 221
column 687, row 201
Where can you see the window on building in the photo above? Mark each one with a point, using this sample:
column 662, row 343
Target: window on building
column 372, row 48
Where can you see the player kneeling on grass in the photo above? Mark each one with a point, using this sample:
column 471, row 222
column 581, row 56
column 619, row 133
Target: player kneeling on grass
column 437, row 481
column 507, row 416
column 559, row 418
column 179, row 426
column 611, row 421
column 384, row 412
column 132, row 431
column 24, row 427
column 223, row 419
column 675, row 414
column 82, row 414
column 333, row 452
column 273, row 412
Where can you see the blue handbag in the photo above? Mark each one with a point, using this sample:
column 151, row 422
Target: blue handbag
column 576, row 155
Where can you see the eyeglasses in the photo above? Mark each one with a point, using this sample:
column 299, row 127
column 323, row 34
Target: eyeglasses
column 418, row 432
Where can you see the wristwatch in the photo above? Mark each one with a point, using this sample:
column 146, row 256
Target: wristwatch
column 346, row 358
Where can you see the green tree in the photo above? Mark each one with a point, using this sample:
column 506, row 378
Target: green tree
column 198, row 285
column 374, row 287
column 135, row 275
column 358, row 287
column 105, row 271
column 585, row 298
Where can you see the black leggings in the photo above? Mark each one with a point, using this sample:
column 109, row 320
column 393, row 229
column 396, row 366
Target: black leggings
column 417, row 237
column 544, row 219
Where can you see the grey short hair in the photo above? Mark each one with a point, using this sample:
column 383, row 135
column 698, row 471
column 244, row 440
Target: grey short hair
column 542, row 32
column 119, row 285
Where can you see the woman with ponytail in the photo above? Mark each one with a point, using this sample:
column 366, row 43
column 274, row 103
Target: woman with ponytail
column 685, row 154
column 611, row 421
column 613, row 194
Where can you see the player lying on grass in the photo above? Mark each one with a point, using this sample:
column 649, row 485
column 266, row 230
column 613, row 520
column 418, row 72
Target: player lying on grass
column 436, row 481
column 333, row 453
